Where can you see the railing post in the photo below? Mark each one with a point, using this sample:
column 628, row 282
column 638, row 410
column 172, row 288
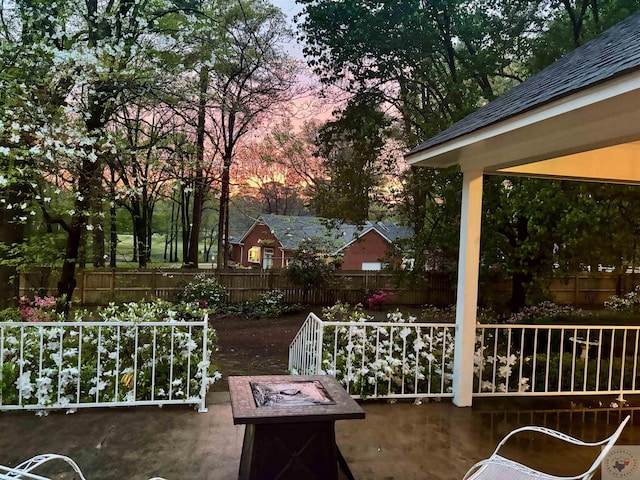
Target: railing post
column 205, row 357
column 319, row 341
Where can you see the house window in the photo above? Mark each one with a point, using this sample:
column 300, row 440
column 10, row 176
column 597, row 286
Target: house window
column 267, row 258
column 254, row 255
column 371, row 266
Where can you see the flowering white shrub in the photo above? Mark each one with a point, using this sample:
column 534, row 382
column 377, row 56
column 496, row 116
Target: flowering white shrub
column 72, row 363
column 625, row 303
column 206, row 292
column 271, row 304
column 543, row 310
column 381, row 360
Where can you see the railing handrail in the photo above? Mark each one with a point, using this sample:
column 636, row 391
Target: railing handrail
column 387, row 324
column 555, row 327
column 311, row 318
column 82, row 323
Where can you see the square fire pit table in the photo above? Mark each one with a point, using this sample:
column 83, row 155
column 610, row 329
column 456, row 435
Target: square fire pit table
column 290, row 426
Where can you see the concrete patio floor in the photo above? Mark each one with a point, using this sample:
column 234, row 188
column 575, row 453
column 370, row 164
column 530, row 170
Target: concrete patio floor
column 401, row 441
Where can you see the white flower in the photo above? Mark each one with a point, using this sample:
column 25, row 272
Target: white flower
column 24, row 385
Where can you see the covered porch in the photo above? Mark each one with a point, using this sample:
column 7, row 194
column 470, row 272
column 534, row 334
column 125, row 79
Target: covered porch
column 578, row 119
column 400, row 441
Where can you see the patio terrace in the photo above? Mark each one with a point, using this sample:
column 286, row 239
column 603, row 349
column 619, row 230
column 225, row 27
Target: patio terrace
column 401, row 441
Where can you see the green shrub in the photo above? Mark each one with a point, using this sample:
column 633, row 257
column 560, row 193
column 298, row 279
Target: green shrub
column 206, row 292
column 272, row 304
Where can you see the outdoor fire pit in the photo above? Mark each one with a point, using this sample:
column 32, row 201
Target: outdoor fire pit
column 290, row 425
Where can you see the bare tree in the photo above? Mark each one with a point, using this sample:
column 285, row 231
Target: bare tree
column 251, row 77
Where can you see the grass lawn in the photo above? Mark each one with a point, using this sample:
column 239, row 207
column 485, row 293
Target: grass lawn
column 125, row 252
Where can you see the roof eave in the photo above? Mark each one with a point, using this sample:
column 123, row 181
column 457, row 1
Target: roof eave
column 453, row 152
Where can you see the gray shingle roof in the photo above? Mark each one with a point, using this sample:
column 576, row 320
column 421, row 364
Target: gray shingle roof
column 291, row 230
column 615, row 52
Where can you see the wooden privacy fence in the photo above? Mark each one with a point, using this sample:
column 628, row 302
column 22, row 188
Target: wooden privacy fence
column 99, row 287
column 580, row 290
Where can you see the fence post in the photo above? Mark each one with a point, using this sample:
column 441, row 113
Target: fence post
column 154, row 285
column 83, row 287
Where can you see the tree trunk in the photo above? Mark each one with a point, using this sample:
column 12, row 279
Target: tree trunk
column 134, row 257
column 98, row 239
column 139, row 233
column 223, row 221
column 67, row 282
column 186, row 226
column 11, row 233
column 169, row 238
column 113, row 236
column 199, row 187
column 519, row 283
column 176, row 226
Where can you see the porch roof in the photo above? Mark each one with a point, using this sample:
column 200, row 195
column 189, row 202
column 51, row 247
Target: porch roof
column 561, row 123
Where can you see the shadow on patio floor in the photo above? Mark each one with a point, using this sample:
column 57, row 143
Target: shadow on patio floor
column 401, row 441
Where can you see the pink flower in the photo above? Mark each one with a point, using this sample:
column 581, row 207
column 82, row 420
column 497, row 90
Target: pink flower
column 378, row 299
column 38, row 310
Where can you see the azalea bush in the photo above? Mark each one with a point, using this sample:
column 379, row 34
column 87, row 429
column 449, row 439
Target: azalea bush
column 627, row 303
column 404, row 357
column 376, row 300
column 106, row 364
column 206, row 292
column 543, row 311
column 494, row 357
column 40, row 309
column 272, row 304
column 397, row 358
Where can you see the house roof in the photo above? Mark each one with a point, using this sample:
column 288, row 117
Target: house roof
column 292, row 230
column 390, row 231
column 614, row 53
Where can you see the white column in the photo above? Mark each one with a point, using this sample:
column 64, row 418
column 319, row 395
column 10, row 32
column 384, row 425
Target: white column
column 467, row 301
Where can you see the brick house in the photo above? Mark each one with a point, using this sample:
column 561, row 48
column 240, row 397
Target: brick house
column 272, row 239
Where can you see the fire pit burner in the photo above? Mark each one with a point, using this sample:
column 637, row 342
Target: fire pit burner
column 290, row 394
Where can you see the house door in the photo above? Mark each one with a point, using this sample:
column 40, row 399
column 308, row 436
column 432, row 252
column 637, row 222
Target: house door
column 267, row 258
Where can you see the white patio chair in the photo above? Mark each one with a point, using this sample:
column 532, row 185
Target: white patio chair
column 497, row 467
column 24, row 471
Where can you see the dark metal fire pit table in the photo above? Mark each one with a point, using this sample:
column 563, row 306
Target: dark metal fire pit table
column 290, row 426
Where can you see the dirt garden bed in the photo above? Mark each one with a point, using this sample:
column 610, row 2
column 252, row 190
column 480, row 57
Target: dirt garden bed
column 254, row 346
column 260, row 346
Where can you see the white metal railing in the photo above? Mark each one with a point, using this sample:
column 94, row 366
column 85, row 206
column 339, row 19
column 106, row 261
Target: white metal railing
column 391, row 360
column 377, row 359
column 96, row 364
column 556, row 360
